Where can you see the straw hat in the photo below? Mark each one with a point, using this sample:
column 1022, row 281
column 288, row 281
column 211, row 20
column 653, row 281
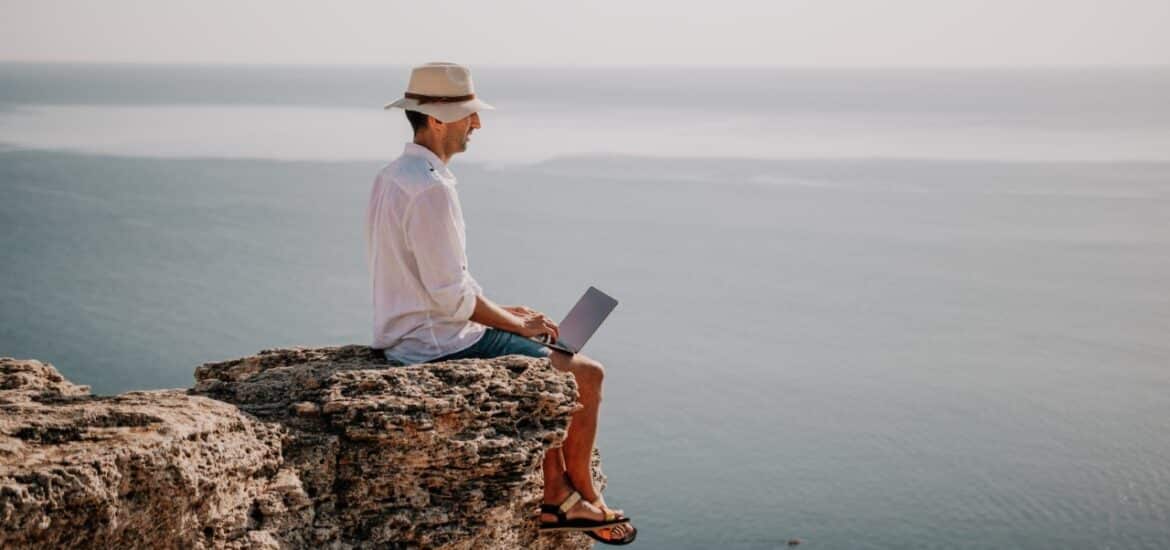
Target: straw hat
column 442, row 90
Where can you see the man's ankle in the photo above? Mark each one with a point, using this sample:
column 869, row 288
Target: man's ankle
column 557, row 493
column 585, row 490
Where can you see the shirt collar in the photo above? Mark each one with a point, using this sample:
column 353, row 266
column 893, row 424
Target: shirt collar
column 415, row 150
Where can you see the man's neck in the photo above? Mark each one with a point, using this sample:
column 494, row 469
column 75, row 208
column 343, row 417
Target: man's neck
column 434, row 148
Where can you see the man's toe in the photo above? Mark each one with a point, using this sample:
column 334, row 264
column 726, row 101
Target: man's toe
column 617, row 532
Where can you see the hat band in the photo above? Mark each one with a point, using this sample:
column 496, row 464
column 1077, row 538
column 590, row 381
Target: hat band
column 424, row 99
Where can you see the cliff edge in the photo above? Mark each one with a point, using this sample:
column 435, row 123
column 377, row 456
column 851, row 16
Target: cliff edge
column 289, row 448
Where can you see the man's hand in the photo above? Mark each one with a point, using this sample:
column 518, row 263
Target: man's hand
column 522, row 320
column 534, row 322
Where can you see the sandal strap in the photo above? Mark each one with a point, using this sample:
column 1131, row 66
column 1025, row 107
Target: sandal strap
column 609, row 513
column 570, row 502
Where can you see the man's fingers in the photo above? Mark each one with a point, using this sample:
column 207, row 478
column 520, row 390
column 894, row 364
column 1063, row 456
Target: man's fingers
column 553, row 330
column 543, row 325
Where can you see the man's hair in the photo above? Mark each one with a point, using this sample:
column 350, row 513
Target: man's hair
column 418, row 121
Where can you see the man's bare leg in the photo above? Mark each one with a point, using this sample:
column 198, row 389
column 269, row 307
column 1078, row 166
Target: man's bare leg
column 555, row 486
column 576, row 454
column 578, row 445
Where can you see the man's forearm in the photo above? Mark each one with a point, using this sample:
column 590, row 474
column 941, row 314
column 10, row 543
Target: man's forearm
column 490, row 314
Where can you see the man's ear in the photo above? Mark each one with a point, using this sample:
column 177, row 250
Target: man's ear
column 434, row 123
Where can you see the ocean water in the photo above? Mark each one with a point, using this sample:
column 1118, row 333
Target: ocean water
column 866, row 309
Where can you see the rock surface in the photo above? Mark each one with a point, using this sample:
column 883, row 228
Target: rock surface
column 141, row 469
column 290, row 448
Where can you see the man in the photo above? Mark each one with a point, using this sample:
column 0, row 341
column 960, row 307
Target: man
column 427, row 306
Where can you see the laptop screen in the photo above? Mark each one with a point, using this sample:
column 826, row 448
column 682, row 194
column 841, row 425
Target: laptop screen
column 585, row 318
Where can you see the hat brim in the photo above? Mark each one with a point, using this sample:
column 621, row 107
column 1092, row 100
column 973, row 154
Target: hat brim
column 444, row 112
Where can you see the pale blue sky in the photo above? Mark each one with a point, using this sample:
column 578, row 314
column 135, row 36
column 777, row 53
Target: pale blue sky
column 727, row 32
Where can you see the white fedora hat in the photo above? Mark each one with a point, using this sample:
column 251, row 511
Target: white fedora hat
column 442, row 90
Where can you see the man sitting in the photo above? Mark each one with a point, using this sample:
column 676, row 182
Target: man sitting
column 427, row 306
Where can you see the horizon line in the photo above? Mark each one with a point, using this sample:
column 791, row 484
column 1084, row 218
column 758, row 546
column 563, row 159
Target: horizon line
column 796, row 66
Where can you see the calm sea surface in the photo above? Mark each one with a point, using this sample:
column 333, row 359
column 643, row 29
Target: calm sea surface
column 866, row 309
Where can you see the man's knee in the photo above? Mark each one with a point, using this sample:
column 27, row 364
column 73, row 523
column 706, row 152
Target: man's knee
column 589, row 374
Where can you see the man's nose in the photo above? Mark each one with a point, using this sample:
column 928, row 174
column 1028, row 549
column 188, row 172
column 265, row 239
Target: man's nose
column 475, row 120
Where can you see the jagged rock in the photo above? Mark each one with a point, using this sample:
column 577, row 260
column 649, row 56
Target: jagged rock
column 143, row 469
column 289, row 448
column 24, row 381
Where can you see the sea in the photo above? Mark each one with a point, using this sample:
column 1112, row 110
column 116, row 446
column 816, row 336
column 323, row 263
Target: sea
column 862, row 308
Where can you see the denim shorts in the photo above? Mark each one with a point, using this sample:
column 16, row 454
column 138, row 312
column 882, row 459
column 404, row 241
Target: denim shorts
column 496, row 343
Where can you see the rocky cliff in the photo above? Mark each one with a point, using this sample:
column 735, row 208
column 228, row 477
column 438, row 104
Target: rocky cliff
column 289, row 448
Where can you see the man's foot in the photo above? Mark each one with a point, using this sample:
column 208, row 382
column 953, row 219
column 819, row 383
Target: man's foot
column 599, row 503
column 622, row 533
column 566, row 510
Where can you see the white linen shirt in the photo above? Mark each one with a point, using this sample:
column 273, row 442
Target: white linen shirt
column 416, row 250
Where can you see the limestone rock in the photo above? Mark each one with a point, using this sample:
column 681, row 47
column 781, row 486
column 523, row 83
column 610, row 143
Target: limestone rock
column 143, row 469
column 31, row 380
column 289, row 448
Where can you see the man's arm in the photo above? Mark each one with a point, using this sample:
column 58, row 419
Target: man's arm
column 433, row 237
column 490, row 314
column 438, row 251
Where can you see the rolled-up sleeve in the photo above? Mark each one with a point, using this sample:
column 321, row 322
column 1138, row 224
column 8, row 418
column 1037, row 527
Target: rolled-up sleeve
column 433, row 236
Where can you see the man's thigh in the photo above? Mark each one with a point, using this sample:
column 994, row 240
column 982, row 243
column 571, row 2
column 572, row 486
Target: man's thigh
column 497, row 343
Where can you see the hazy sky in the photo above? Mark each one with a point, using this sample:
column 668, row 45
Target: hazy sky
column 725, row 32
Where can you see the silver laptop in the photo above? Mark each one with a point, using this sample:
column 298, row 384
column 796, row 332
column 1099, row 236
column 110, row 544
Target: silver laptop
column 581, row 322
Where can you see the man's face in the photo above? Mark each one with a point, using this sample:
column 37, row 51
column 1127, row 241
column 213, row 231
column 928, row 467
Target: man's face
column 459, row 133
